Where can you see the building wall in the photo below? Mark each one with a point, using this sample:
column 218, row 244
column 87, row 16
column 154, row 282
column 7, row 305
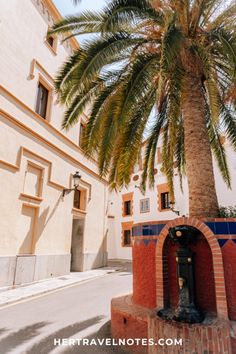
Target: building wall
column 37, row 159
column 226, row 197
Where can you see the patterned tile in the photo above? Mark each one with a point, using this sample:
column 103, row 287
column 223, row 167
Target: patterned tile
column 212, row 226
column 222, row 241
column 160, row 227
column 146, row 242
column 147, row 230
column 222, row 228
column 232, row 228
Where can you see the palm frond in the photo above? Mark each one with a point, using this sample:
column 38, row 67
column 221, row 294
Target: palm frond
column 155, row 46
column 151, row 146
column 217, row 147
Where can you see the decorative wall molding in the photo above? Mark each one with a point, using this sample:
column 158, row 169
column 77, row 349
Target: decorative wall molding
column 36, row 116
column 26, row 152
column 50, row 13
column 35, row 64
column 41, row 138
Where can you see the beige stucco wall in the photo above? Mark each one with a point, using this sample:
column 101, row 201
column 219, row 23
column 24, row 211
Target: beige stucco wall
column 28, row 138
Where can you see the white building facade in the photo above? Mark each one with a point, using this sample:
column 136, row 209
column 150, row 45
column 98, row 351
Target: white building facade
column 42, row 233
column 130, row 207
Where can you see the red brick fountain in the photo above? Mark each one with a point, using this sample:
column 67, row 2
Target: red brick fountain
column 156, row 286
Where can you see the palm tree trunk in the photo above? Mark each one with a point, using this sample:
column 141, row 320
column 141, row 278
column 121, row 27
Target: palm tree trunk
column 199, row 167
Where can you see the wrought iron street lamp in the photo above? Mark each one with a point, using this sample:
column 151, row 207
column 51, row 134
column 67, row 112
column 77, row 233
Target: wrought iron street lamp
column 172, row 205
column 76, row 181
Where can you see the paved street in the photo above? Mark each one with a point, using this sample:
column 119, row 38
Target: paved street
column 80, row 311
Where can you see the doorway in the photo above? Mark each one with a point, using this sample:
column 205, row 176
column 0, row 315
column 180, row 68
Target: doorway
column 77, row 244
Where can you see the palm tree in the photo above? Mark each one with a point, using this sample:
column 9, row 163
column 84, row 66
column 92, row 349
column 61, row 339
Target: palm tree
column 174, row 58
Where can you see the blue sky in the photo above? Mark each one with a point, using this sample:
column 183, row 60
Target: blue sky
column 66, row 7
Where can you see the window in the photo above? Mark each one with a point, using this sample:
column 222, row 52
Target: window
column 127, row 204
column 165, row 203
column 145, row 205
column 127, row 237
column 50, row 41
column 77, row 199
column 80, row 199
column 126, row 233
column 42, row 100
column 81, row 134
column 127, row 207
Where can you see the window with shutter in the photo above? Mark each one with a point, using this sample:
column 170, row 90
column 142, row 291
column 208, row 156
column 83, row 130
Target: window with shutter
column 42, row 100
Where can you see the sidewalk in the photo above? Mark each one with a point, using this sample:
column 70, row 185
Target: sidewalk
column 11, row 296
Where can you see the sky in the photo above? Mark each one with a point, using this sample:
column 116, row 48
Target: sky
column 66, row 7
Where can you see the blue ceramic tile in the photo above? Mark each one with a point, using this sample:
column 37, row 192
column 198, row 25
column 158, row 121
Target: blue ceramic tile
column 212, row 226
column 234, row 241
column 222, row 242
column 136, row 231
column 152, row 229
column 146, row 242
column 155, row 241
column 139, row 230
column 221, row 228
column 232, row 228
column 160, row 227
column 155, row 229
column 147, row 231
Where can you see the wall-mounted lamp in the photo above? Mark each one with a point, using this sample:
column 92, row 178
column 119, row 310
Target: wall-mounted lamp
column 172, row 205
column 76, row 181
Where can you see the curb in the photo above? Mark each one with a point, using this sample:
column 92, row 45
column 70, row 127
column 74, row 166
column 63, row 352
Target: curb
column 47, row 291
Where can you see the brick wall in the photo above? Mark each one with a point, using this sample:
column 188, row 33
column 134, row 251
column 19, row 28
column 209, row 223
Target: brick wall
column 229, row 260
column 155, row 282
column 212, row 338
column 144, row 273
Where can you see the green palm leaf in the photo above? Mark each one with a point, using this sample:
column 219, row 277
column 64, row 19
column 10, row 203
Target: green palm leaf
column 140, row 60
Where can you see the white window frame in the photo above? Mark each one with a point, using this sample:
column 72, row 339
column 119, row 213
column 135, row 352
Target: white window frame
column 145, row 205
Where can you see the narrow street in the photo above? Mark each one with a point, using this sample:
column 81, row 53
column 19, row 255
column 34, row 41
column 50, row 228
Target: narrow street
column 81, row 311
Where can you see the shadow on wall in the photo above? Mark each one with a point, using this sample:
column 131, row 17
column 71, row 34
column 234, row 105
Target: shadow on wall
column 101, row 257
column 83, row 261
column 37, row 225
column 44, row 218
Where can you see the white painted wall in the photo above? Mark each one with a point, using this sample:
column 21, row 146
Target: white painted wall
column 226, row 197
